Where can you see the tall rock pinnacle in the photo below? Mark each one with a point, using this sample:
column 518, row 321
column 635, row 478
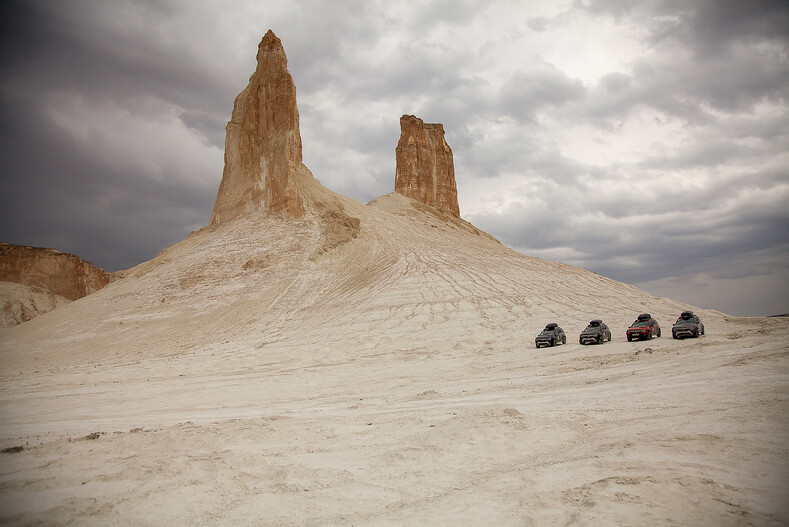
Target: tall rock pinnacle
column 262, row 142
column 425, row 170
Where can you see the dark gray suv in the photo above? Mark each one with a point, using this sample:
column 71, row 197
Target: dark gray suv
column 687, row 325
column 551, row 336
column 595, row 333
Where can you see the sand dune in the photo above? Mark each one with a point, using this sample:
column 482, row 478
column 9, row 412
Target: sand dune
column 264, row 372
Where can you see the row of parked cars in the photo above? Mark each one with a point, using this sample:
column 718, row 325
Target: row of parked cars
column 645, row 327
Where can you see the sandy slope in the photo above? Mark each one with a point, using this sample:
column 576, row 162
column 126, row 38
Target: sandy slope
column 20, row 303
column 271, row 373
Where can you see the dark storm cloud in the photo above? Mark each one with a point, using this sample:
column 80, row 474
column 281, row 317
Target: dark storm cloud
column 113, row 119
column 50, row 50
column 209, row 126
column 322, row 40
column 54, row 197
column 639, row 249
column 723, row 55
column 54, row 192
column 716, row 26
column 718, row 202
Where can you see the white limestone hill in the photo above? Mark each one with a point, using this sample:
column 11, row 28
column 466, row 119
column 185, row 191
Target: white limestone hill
column 328, row 371
column 407, row 274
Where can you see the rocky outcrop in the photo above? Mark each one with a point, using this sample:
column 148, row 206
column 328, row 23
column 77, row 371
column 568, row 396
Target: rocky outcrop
column 262, row 142
column 20, row 303
column 60, row 273
column 425, row 169
column 34, row 281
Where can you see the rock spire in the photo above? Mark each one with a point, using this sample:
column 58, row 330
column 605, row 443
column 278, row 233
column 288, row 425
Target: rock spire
column 262, row 142
column 425, row 169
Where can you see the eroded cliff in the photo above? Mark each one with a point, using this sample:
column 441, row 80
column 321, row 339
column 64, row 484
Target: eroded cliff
column 425, row 168
column 34, row 281
column 64, row 274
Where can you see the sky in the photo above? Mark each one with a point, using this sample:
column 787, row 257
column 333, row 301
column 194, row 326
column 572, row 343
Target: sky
column 647, row 141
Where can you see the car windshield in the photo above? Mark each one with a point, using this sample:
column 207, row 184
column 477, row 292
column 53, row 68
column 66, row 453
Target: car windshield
column 547, row 332
column 640, row 324
column 681, row 320
column 592, row 328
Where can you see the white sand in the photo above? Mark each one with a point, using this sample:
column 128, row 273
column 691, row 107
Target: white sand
column 243, row 378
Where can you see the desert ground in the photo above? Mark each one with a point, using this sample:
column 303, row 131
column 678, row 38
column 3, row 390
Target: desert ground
column 269, row 372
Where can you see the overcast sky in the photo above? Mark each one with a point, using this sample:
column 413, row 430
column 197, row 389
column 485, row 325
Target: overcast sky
column 647, row 141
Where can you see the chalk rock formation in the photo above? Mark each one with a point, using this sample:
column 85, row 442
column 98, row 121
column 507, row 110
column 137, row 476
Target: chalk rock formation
column 63, row 274
column 34, row 281
column 262, row 142
column 425, row 170
column 20, row 303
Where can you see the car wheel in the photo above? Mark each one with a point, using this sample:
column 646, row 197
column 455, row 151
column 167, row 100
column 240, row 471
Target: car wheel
column 553, row 342
column 564, row 339
column 702, row 330
column 649, row 336
column 629, row 338
column 659, row 332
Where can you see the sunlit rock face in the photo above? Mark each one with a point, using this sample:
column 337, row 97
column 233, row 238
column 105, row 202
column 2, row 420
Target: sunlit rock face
column 34, row 281
column 63, row 274
column 262, row 142
column 425, row 169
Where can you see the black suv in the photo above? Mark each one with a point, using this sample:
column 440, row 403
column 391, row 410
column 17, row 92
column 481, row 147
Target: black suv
column 687, row 325
column 551, row 336
column 596, row 332
column 645, row 327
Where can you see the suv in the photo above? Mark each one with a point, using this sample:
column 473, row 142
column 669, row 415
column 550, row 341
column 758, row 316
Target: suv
column 687, row 325
column 596, row 332
column 551, row 336
column 645, row 327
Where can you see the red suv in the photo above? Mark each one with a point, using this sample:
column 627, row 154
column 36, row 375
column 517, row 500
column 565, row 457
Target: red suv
column 645, row 327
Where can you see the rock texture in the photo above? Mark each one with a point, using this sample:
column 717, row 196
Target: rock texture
column 262, row 142
column 60, row 273
column 425, row 169
column 20, row 303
